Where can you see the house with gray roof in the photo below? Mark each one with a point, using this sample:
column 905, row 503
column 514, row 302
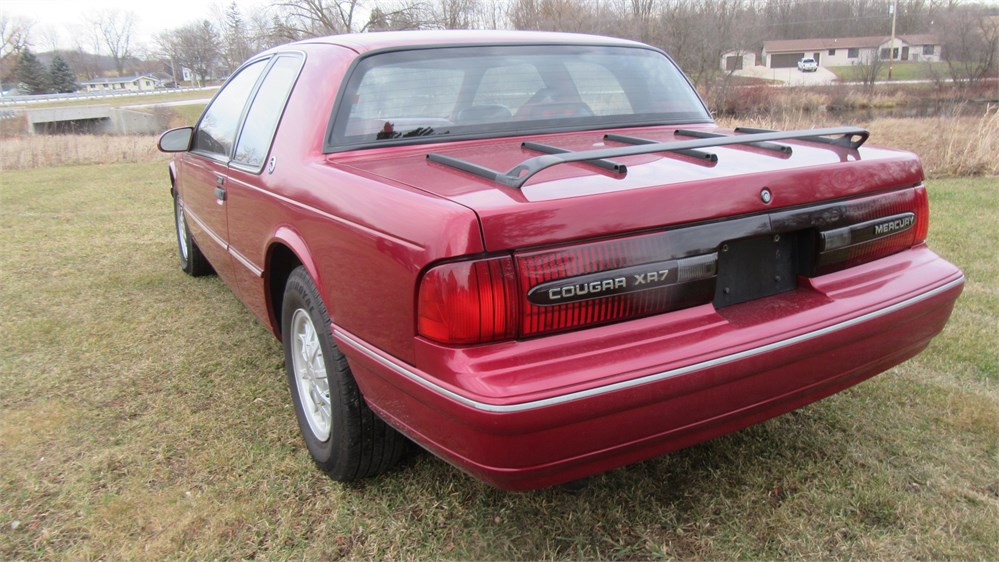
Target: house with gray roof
column 845, row 51
column 123, row 84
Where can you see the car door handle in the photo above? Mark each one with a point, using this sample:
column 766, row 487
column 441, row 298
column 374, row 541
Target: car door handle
column 219, row 189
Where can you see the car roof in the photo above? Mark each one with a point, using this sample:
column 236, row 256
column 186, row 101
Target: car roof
column 365, row 42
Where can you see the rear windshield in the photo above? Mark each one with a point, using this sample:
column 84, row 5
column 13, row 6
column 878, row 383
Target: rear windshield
column 422, row 95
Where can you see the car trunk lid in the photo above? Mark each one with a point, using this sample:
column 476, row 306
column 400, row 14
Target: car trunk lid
column 580, row 200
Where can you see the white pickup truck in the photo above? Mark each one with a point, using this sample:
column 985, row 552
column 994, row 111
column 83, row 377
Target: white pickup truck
column 808, row 64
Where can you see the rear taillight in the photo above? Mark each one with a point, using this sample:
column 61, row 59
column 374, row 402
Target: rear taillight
column 468, row 302
column 609, row 281
column 875, row 228
column 546, row 291
column 922, row 215
column 557, row 290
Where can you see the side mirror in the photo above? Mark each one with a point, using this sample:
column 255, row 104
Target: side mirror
column 176, row 140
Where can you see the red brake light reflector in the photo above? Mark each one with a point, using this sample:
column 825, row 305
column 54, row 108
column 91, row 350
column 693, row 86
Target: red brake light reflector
column 468, row 302
column 922, row 210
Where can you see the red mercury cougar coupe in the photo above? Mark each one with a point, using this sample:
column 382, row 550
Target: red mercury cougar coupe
column 536, row 255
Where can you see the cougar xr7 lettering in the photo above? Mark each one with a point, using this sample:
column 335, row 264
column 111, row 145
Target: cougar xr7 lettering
column 537, row 256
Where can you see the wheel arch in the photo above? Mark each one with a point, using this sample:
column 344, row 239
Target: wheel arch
column 173, row 179
column 286, row 251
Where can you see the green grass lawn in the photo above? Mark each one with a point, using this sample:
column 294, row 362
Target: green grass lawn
column 900, row 71
column 188, row 114
column 144, row 415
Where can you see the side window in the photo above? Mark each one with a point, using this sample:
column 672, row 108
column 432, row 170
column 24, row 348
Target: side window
column 265, row 112
column 217, row 130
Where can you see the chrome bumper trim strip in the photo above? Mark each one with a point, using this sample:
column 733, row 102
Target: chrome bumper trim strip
column 654, row 377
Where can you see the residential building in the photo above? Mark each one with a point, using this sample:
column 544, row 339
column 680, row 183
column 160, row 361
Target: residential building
column 124, row 84
column 737, row 60
column 845, row 51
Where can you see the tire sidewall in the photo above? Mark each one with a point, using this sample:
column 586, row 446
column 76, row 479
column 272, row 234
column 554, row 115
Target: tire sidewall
column 301, row 294
column 182, row 231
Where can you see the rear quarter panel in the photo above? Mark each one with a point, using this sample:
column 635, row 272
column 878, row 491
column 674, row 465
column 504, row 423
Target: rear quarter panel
column 363, row 241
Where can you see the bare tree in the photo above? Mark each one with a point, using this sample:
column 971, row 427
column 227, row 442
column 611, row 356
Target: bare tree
column 194, row 46
column 168, row 45
column 113, row 33
column 394, row 20
column 869, row 68
column 312, row 18
column 14, row 36
column 801, row 19
column 494, row 14
column 50, row 37
column 450, row 14
column 578, row 16
column 696, row 33
column 261, row 32
column 298, row 19
column 970, row 37
column 235, row 37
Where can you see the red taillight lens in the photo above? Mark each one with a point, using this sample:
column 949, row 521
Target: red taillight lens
column 922, row 210
column 468, row 302
column 610, row 281
column 877, row 227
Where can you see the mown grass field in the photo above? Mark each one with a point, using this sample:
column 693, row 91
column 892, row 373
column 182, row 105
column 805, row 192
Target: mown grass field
column 900, row 71
column 144, row 415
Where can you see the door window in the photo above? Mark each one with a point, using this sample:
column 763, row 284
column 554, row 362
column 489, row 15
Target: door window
column 265, row 112
column 217, row 130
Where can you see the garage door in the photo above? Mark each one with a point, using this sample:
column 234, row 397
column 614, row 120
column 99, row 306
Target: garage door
column 785, row 60
column 733, row 63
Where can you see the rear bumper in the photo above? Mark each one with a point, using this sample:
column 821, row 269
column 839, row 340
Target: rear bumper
column 535, row 413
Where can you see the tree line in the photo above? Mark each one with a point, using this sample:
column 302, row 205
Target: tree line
column 695, row 32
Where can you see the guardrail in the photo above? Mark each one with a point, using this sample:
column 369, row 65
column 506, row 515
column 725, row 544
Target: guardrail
column 18, row 100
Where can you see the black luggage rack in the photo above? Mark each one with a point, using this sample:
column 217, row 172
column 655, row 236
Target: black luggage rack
column 847, row 137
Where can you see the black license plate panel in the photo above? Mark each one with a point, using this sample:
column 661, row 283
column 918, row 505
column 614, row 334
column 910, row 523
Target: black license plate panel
column 754, row 268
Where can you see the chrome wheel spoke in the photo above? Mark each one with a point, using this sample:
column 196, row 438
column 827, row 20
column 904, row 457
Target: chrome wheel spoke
column 310, row 375
column 181, row 230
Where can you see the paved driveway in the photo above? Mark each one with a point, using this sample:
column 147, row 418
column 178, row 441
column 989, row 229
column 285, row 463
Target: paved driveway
column 790, row 76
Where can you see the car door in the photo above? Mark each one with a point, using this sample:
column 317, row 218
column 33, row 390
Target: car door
column 202, row 176
column 252, row 210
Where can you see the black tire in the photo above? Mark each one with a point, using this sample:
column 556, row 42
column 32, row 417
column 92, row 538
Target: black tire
column 192, row 261
column 347, row 441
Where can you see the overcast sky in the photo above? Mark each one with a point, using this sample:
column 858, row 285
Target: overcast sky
column 65, row 18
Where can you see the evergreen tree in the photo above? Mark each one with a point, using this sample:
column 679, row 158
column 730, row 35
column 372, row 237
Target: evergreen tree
column 61, row 77
column 31, row 74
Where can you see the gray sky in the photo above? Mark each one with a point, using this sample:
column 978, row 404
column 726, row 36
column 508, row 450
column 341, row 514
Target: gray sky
column 64, row 19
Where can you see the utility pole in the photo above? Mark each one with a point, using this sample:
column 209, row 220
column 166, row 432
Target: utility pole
column 891, row 47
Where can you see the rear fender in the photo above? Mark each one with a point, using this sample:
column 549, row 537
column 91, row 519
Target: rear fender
column 172, row 169
column 290, row 238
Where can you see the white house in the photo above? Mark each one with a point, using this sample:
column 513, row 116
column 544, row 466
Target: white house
column 737, row 60
column 845, row 51
column 124, row 84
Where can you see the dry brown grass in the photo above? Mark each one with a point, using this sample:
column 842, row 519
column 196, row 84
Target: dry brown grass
column 762, row 99
column 44, row 151
column 949, row 145
column 144, row 415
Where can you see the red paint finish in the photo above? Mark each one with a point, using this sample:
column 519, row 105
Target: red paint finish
column 748, row 367
column 426, row 271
